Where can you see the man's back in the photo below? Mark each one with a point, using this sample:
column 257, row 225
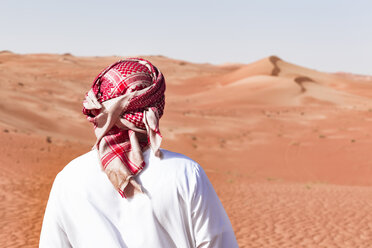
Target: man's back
column 178, row 208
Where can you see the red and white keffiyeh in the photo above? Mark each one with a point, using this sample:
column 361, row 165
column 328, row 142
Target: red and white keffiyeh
column 125, row 104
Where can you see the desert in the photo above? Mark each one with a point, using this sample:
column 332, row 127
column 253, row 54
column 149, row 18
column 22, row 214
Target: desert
column 287, row 148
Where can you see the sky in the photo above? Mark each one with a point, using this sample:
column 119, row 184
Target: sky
column 325, row 35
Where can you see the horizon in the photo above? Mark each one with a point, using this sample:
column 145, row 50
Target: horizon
column 330, row 36
column 180, row 59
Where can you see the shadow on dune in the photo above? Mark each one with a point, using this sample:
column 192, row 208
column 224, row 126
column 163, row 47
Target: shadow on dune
column 276, row 69
column 301, row 80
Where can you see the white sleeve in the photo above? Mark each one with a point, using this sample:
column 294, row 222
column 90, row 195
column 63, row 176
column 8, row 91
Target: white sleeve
column 52, row 233
column 212, row 227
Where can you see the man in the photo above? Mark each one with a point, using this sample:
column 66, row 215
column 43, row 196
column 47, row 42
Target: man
column 127, row 192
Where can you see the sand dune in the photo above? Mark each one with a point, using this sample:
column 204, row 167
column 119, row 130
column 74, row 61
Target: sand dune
column 272, row 81
column 286, row 147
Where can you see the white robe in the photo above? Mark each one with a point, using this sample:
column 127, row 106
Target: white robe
column 179, row 207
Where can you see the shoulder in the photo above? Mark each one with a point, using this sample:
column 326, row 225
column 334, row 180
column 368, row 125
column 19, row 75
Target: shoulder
column 177, row 162
column 177, row 157
column 80, row 163
column 185, row 171
column 79, row 170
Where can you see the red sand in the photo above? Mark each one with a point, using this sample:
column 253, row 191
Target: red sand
column 286, row 148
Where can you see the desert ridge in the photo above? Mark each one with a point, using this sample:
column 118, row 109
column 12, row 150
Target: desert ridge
column 287, row 148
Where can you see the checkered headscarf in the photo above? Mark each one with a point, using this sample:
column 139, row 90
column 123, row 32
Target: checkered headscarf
column 125, row 104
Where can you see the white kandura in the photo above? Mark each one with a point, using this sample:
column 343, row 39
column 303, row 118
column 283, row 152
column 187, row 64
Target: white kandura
column 179, row 207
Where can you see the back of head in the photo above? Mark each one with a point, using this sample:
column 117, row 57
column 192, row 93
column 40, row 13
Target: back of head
column 125, row 104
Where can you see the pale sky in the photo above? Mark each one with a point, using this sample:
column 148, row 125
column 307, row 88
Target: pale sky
column 327, row 35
